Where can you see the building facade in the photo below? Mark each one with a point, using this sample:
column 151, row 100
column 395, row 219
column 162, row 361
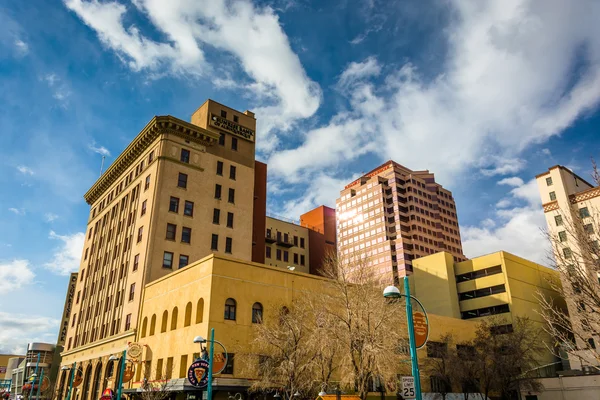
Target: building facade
column 287, row 245
column 392, row 216
column 321, row 236
column 178, row 192
column 571, row 207
column 38, row 360
column 500, row 284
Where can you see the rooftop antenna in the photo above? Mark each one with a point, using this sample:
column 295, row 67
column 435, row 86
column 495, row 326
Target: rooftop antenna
column 102, row 165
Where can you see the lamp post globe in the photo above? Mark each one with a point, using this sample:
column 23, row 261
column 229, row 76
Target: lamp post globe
column 391, row 292
column 199, row 339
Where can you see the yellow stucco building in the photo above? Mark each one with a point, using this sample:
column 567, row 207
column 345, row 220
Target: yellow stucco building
column 287, row 245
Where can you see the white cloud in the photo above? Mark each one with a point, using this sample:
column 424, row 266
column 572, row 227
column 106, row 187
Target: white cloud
column 546, row 152
column 25, row 170
column 52, row 79
column 17, row 211
column 14, row 274
column 360, row 70
column 103, row 151
column 518, row 230
column 510, row 79
column 16, row 330
column 50, row 217
column 67, row 257
column 251, row 34
column 60, row 89
column 22, row 47
column 512, row 181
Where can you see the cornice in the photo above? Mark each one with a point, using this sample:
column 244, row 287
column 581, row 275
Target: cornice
column 585, row 195
column 157, row 126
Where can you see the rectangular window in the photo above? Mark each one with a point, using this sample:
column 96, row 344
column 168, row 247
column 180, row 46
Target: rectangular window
column 223, row 114
column 86, row 254
column 295, row 240
column 229, row 366
column 132, row 292
column 216, row 216
column 182, row 180
column 295, row 258
column 562, row 235
column 186, row 235
column 286, row 256
column 174, row 204
column 73, row 320
column 185, row 156
column 472, row 294
column 549, row 181
column 183, row 366
column 171, row 231
column 220, row 168
column 236, row 118
column 588, row 228
column 188, row 208
column 302, row 261
column 230, row 220
column 567, row 252
column 147, row 184
column 278, row 254
column 228, row 243
column 136, row 262
column 143, row 208
column 151, row 157
column 436, row 349
column 168, row 259
column 231, row 197
column 302, row 242
column 496, row 269
column 214, row 242
column 584, row 212
column 268, row 252
column 558, row 220
column 552, row 196
column 221, row 139
column 232, row 172
column 234, row 144
column 183, row 260
column 482, row 312
column 218, row 191
column 128, row 322
column 140, row 232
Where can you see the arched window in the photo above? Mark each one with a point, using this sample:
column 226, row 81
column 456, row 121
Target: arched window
column 188, row 314
column 87, row 377
column 152, row 324
column 163, row 325
column 97, row 387
column 174, row 319
column 110, row 366
column 144, row 326
column 257, row 313
column 230, row 306
column 61, row 387
column 199, row 311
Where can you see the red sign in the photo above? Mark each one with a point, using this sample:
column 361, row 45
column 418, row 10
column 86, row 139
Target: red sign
column 421, row 329
column 107, row 394
column 129, row 371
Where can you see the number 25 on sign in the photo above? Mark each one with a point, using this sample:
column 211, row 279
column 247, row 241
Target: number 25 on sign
column 408, row 387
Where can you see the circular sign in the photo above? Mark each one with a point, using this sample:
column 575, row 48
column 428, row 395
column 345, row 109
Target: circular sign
column 421, row 329
column 134, row 350
column 129, row 371
column 78, row 378
column 198, row 373
column 219, row 363
column 45, row 383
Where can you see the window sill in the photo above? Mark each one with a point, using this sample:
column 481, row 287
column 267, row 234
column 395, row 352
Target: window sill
column 189, row 243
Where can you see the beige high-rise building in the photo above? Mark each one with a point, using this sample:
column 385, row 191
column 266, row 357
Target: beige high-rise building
column 179, row 192
column 393, row 215
column 568, row 200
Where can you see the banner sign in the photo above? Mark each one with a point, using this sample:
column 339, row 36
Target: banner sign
column 421, row 329
column 198, row 373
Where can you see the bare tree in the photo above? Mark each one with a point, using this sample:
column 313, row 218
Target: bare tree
column 442, row 367
column 280, row 355
column 366, row 326
column 157, row 384
column 576, row 258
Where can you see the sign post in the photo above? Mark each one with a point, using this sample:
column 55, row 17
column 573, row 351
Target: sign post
column 408, row 387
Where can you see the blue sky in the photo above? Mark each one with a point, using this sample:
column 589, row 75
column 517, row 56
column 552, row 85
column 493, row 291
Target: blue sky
column 485, row 94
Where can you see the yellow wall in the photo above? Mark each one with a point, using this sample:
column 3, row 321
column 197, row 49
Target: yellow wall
column 293, row 230
column 4, row 363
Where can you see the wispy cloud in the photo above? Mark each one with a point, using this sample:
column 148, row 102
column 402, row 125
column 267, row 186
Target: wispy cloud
column 14, row 274
column 16, row 330
column 99, row 149
column 66, row 257
column 25, row 170
column 60, row 89
column 50, row 217
column 512, row 181
column 22, row 47
column 17, row 211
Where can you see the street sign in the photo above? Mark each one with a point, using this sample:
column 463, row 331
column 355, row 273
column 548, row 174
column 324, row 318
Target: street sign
column 408, row 387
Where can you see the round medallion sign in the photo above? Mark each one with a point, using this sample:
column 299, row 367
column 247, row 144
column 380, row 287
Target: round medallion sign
column 134, row 350
column 421, row 329
column 198, row 373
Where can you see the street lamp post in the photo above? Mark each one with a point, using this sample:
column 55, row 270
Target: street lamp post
column 39, row 384
column 392, row 292
column 121, row 371
column 201, row 340
column 65, row 368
